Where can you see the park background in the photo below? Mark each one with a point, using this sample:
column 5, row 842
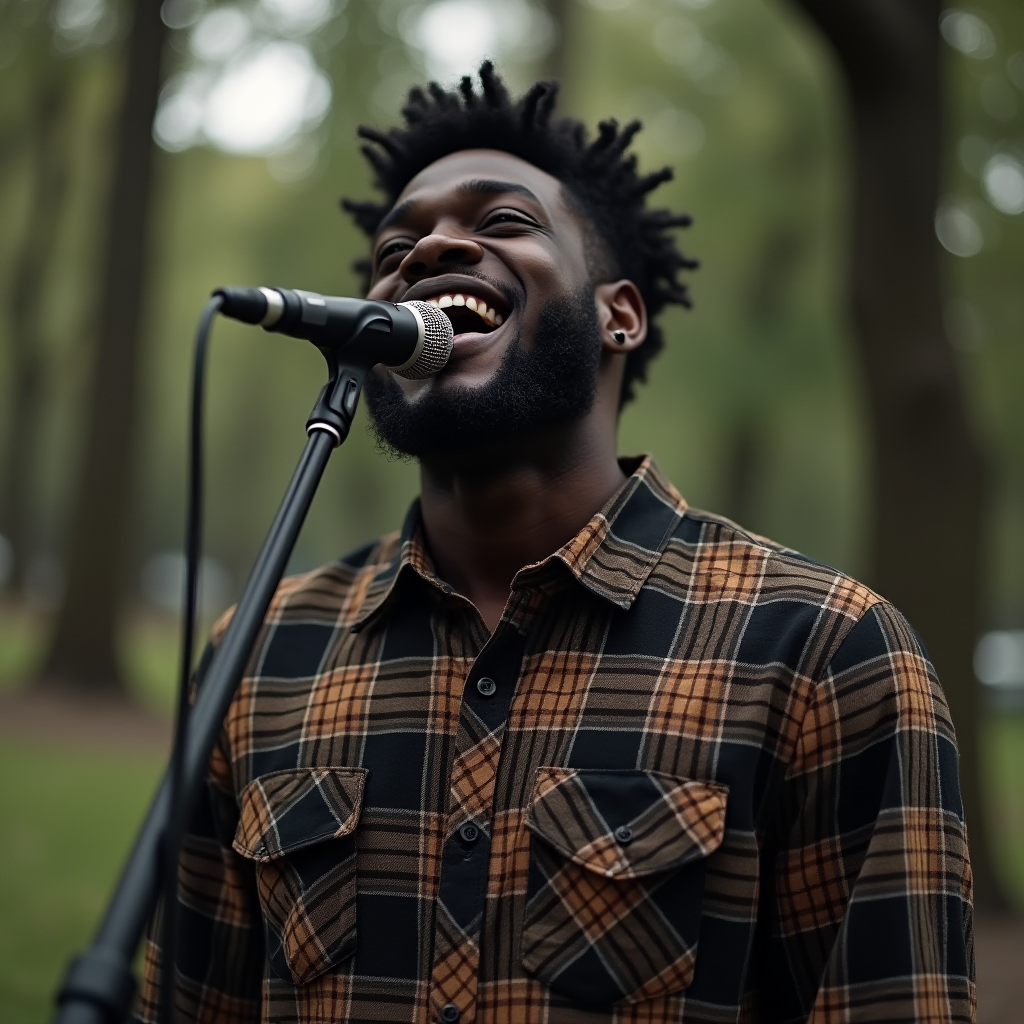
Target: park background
column 760, row 406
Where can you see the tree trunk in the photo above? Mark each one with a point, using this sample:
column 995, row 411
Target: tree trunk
column 49, row 144
column 928, row 488
column 83, row 651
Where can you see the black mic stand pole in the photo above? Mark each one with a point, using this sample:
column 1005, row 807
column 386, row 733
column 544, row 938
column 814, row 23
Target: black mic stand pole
column 99, row 985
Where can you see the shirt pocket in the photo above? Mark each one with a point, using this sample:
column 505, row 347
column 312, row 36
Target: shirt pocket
column 297, row 826
column 617, row 864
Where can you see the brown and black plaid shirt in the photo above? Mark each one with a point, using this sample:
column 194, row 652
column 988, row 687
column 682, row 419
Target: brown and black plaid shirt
column 691, row 776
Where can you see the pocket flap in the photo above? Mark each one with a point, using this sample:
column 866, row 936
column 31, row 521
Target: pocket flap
column 626, row 824
column 290, row 809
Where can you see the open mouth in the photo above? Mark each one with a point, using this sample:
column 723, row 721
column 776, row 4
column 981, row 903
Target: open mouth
column 468, row 314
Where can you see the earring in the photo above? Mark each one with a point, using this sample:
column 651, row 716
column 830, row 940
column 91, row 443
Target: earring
column 620, row 337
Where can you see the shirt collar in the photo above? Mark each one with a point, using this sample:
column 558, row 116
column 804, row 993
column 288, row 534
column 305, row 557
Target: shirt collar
column 612, row 555
column 404, row 555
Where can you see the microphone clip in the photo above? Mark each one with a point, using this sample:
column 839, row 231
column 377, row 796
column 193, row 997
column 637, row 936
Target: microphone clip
column 336, row 404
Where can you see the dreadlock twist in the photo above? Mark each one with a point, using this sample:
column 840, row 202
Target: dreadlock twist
column 600, row 179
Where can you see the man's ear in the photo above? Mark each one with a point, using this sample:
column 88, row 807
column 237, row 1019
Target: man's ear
column 621, row 315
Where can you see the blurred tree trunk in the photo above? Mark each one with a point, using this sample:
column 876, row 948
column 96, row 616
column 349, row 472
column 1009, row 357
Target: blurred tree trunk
column 83, row 650
column 48, row 141
column 928, row 489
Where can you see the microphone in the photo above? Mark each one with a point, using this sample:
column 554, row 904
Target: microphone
column 414, row 339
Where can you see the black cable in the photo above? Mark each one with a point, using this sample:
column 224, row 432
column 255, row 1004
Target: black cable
column 193, row 545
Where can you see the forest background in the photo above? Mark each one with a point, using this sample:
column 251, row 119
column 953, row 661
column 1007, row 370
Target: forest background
column 757, row 408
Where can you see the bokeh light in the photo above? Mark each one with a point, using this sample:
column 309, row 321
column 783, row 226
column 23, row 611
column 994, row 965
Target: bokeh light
column 968, row 33
column 252, row 85
column 1003, row 178
column 958, row 230
column 454, row 36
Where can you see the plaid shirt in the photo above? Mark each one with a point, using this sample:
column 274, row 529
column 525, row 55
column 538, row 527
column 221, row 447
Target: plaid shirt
column 691, row 776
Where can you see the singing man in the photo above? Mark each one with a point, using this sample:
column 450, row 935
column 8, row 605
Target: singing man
column 565, row 750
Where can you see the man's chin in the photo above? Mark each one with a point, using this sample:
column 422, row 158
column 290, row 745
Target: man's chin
column 429, row 425
column 469, row 408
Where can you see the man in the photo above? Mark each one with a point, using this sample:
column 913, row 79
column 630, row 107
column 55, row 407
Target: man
column 564, row 749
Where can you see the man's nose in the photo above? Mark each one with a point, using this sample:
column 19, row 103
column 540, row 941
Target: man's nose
column 436, row 252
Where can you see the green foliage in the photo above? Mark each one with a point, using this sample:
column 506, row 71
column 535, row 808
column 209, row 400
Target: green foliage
column 20, row 643
column 1003, row 772
column 753, row 407
column 985, row 317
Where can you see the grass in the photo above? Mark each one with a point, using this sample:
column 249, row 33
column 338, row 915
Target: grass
column 67, row 818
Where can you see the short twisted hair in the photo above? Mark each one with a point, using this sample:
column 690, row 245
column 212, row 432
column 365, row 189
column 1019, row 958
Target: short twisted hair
column 599, row 178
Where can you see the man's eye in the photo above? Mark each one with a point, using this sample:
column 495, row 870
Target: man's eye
column 507, row 217
column 391, row 249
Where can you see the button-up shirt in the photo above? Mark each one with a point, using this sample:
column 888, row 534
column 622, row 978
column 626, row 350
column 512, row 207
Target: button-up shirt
column 690, row 776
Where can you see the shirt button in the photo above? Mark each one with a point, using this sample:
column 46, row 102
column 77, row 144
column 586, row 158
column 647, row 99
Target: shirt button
column 486, row 686
column 470, row 834
column 450, row 1013
column 624, row 834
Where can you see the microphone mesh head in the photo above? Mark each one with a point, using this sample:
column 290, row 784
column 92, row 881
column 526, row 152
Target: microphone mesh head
column 437, row 334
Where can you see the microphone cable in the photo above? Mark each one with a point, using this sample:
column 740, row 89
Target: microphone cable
column 190, row 600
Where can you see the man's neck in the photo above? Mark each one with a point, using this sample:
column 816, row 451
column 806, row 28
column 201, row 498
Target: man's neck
column 488, row 515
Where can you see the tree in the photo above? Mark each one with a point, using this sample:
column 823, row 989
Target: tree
column 928, row 487
column 46, row 138
column 83, row 650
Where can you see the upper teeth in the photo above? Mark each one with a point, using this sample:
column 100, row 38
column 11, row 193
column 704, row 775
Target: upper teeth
column 470, row 302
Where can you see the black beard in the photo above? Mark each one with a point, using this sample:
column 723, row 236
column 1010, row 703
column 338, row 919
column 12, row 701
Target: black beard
column 551, row 384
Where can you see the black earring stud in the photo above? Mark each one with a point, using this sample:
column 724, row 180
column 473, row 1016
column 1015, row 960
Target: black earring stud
column 620, row 337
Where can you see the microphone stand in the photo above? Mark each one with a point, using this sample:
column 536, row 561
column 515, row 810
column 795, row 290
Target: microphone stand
column 99, row 986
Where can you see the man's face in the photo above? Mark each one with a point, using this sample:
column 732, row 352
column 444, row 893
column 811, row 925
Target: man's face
column 490, row 239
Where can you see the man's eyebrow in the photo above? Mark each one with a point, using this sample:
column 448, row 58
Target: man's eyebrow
column 396, row 213
column 490, row 187
column 475, row 187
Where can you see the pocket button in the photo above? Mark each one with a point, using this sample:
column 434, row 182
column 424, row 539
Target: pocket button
column 450, row 1013
column 486, row 686
column 470, row 834
column 624, row 834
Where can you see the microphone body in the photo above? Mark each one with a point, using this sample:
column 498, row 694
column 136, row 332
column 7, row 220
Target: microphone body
column 412, row 338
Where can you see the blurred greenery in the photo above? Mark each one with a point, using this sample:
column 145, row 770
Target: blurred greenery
column 149, row 645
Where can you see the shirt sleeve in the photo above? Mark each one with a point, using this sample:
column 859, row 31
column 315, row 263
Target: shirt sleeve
column 220, row 953
column 872, row 888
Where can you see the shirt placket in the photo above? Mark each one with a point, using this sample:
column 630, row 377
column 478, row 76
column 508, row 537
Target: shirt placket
column 486, row 697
